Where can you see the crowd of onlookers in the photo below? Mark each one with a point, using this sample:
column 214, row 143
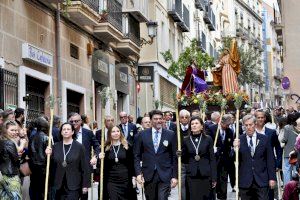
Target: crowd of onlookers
column 75, row 152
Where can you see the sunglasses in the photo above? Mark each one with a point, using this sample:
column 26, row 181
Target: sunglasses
column 74, row 121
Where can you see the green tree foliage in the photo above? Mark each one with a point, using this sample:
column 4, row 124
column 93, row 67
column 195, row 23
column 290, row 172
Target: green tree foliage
column 190, row 54
column 250, row 64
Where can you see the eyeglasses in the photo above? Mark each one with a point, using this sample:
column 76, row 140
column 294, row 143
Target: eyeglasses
column 75, row 121
column 121, row 117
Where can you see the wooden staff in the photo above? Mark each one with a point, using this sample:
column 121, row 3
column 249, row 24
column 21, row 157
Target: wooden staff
column 237, row 155
column 218, row 129
column 102, row 152
column 48, row 155
column 179, row 155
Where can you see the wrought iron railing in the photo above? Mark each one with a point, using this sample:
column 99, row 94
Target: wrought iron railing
column 134, row 30
column 186, row 16
column 94, row 4
column 114, row 9
column 8, row 88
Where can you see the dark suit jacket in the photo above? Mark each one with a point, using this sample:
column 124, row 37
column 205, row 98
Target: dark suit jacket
column 260, row 167
column 165, row 160
column 132, row 131
column 275, row 144
column 173, row 127
column 56, row 134
column 76, row 172
column 98, row 136
column 207, row 163
column 225, row 149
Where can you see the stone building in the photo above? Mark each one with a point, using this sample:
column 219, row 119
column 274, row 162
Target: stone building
column 74, row 55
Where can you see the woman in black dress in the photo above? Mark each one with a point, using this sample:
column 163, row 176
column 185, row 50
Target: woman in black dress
column 118, row 167
column 198, row 154
column 69, row 168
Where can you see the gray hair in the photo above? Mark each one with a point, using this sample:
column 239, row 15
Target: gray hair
column 249, row 117
column 184, row 112
column 226, row 119
column 214, row 116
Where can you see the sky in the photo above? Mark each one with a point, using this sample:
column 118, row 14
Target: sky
column 271, row 3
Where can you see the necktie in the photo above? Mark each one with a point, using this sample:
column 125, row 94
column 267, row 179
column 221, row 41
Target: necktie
column 155, row 141
column 125, row 131
column 251, row 146
column 223, row 136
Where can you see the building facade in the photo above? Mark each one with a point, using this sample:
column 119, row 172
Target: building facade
column 288, row 36
column 90, row 45
column 179, row 22
column 272, row 56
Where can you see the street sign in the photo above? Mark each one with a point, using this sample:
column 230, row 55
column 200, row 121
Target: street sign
column 145, row 74
column 285, row 83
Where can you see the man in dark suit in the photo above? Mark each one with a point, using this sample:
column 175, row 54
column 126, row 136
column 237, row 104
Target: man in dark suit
column 109, row 122
column 170, row 125
column 224, row 154
column 129, row 130
column 184, row 119
column 256, row 163
column 89, row 141
column 210, row 127
column 55, row 129
column 273, row 139
column 156, row 148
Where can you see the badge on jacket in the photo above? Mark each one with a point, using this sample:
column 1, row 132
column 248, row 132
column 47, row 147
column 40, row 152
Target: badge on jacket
column 131, row 133
column 166, row 143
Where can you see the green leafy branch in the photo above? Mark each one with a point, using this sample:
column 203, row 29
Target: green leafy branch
column 190, row 54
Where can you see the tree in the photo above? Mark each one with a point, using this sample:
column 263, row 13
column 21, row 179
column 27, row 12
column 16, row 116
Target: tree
column 190, row 54
column 250, row 64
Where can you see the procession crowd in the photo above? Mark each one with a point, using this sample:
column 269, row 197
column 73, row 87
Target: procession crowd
column 146, row 153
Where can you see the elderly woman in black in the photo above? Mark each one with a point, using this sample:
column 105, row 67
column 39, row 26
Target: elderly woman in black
column 198, row 154
column 10, row 183
column 68, row 165
column 118, row 167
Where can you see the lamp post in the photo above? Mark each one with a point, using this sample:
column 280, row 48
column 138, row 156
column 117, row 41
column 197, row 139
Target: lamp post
column 152, row 32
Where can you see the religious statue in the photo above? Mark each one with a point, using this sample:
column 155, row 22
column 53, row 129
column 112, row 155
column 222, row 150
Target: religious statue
column 194, row 80
column 226, row 72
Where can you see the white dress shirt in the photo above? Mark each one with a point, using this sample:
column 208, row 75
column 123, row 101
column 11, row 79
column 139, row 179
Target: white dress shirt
column 184, row 127
column 79, row 136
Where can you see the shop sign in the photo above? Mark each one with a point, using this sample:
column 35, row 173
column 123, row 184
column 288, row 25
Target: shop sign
column 145, row 73
column 37, row 55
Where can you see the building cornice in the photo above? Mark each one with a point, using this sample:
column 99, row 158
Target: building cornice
column 247, row 7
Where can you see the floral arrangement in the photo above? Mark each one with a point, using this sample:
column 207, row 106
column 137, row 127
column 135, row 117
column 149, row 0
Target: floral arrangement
column 211, row 97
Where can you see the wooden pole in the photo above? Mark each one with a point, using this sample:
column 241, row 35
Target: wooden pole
column 102, row 151
column 218, row 129
column 237, row 155
column 48, row 155
column 179, row 156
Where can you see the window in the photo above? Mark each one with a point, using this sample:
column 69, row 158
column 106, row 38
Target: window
column 74, row 51
column 167, row 92
column 8, row 88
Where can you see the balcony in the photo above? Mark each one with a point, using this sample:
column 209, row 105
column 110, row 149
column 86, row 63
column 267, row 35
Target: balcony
column 209, row 18
column 202, row 43
column 110, row 27
column 185, row 25
column 137, row 8
column 84, row 12
column 200, row 4
column 278, row 28
column 175, row 10
column 239, row 30
column 130, row 45
column 280, row 40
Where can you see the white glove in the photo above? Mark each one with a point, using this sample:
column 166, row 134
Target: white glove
column 215, row 149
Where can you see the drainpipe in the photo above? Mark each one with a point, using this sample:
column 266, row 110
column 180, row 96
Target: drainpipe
column 58, row 59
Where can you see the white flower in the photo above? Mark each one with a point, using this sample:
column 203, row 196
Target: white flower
column 166, row 143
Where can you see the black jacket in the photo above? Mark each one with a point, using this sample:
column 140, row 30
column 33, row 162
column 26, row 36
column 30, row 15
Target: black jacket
column 76, row 172
column 206, row 166
column 37, row 146
column 9, row 159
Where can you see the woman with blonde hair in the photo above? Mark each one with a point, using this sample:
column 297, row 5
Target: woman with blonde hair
column 118, row 167
column 10, row 182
